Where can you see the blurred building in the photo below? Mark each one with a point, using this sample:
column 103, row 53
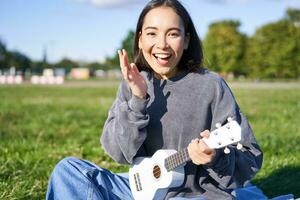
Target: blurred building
column 80, row 73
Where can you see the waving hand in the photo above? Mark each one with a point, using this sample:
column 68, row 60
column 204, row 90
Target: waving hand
column 132, row 75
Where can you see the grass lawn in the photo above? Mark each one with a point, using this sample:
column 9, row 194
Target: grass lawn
column 39, row 125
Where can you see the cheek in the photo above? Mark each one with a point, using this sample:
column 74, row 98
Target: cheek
column 178, row 47
column 146, row 45
column 176, row 44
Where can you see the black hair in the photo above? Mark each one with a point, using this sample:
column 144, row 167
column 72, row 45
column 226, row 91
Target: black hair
column 192, row 57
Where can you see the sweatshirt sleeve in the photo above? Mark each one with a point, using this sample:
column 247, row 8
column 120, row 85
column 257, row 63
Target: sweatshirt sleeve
column 238, row 167
column 125, row 128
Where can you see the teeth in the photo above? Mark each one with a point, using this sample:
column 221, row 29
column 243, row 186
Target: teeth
column 158, row 55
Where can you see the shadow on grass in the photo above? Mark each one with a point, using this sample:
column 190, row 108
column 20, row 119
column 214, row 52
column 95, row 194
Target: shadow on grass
column 282, row 181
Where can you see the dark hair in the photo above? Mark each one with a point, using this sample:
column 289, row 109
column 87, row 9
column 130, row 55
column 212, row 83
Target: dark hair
column 192, row 57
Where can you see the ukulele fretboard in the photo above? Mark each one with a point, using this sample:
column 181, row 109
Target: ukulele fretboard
column 177, row 159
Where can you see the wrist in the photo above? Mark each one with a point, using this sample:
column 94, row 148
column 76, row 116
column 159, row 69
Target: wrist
column 138, row 104
column 140, row 95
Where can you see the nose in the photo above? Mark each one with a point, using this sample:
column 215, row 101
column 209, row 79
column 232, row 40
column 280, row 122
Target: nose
column 162, row 42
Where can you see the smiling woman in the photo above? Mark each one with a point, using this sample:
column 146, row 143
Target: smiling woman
column 167, row 100
column 162, row 41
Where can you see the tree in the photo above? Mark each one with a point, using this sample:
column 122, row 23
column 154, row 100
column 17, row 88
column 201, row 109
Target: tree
column 67, row 64
column 3, row 56
column 127, row 44
column 293, row 15
column 19, row 61
column 274, row 51
column 224, row 47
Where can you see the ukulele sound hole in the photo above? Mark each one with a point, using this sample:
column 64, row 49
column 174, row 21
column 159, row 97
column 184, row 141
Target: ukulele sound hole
column 156, row 171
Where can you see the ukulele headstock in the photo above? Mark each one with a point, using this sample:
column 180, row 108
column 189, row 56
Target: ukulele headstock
column 229, row 133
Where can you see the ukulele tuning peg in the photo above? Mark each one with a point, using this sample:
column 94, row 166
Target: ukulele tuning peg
column 218, row 125
column 239, row 146
column 229, row 119
column 226, row 150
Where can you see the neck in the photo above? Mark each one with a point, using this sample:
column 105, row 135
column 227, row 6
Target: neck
column 177, row 159
column 166, row 76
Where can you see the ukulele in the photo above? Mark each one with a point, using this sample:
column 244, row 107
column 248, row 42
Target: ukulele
column 151, row 177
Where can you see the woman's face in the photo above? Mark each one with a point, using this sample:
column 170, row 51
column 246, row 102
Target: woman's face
column 162, row 41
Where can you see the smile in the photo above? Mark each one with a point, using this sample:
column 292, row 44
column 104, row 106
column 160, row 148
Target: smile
column 162, row 58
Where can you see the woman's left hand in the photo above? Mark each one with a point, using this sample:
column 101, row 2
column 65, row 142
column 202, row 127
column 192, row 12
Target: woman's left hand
column 199, row 152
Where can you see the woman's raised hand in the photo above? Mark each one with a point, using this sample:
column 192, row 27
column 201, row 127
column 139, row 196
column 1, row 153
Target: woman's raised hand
column 132, row 75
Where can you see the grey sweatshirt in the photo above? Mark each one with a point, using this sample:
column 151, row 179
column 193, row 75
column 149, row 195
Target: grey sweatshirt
column 174, row 113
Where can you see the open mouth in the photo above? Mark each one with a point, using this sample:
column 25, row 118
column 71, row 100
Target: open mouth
column 162, row 58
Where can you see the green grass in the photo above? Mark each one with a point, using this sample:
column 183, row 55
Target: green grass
column 39, row 125
column 274, row 115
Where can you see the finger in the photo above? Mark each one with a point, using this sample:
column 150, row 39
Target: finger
column 207, row 158
column 120, row 52
column 134, row 68
column 195, row 142
column 203, row 147
column 205, row 134
column 193, row 147
column 132, row 72
column 125, row 72
column 125, row 57
column 121, row 58
column 124, row 67
column 199, row 157
column 196, row 162
column 195, row 155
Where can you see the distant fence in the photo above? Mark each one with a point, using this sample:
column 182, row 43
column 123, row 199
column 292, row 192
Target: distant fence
column 43, row 80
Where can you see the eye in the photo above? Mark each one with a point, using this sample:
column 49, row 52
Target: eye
column 151, row 34
column 174, row 34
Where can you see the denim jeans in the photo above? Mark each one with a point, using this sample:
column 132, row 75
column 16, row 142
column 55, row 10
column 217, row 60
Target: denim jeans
column 73, row 178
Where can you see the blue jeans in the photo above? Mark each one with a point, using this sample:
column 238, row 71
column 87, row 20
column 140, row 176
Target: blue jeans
column 73, row 178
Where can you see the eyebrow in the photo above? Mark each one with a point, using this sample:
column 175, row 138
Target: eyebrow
column 170, row 29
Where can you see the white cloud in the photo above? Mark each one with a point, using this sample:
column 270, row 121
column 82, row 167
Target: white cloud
column 112, row 3
column 247, row 1
column 227, row 1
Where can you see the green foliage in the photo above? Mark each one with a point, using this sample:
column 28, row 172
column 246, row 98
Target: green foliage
column 13, row 58
column 274, row 51
column 67, row 64
column 224, row 47
column 40, row 125
column 19, row 61
column 95, row 66
column 293, row 14
column 127, row 44
column 3, row 55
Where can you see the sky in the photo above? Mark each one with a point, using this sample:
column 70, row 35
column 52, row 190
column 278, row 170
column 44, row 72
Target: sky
column 91, row 30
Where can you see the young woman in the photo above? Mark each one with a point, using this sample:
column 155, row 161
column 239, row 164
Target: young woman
column 166, row 101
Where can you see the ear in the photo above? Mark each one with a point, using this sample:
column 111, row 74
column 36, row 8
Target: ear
column 186, row 41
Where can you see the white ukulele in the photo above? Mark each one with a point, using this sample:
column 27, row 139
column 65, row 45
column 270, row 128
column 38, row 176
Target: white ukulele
column 150, row 178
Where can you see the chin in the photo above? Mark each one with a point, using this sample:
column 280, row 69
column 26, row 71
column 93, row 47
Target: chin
column 165, row 73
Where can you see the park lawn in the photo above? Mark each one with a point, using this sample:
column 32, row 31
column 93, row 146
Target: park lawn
column 40, row 125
